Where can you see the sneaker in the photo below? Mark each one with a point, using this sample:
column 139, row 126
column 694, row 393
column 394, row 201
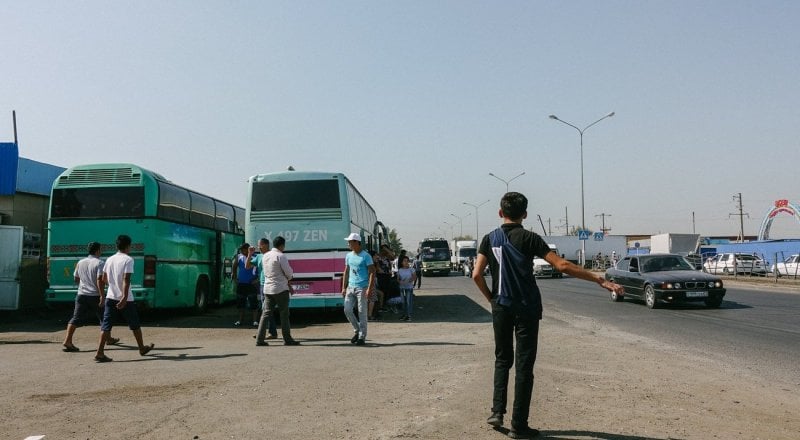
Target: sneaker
column 272, row 336
column 524, row 433
column 408, row 319
column 354, row 339
column 496, row 419
column 255, row 323
column 403, row 318
column 360, row 341
column 291, row 342
column 261, row 344
column 237, row 323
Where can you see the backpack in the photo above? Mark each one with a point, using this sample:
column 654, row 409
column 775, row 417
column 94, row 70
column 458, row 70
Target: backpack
column 517, row 284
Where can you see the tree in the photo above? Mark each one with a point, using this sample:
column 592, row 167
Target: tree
column 463, row 238
column 574, row 230
column 394, row 241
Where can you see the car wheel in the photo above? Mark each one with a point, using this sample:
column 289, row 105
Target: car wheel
column 650, row 297
column 714, row 302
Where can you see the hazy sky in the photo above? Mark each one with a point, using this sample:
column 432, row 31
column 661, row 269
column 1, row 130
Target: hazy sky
column 417, row 101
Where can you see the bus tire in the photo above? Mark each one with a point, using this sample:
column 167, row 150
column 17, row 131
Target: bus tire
column 201, row 296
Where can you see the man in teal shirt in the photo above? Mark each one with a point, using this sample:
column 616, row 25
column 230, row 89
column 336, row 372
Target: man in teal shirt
column 357, row 285
column 256, row 261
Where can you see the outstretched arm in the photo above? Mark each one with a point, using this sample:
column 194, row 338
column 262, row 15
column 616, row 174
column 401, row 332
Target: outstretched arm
column 565, row 266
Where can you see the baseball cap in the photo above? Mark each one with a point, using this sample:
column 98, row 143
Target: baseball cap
column 353, row 236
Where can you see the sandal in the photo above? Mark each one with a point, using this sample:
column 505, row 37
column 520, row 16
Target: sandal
column 102, row 359
column 146, row 349
column 113, row 341
column 70, row 348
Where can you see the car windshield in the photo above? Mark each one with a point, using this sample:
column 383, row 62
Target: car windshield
column 660, row 264
column 430, row 254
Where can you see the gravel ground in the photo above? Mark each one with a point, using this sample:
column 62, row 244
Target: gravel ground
column 427, row 379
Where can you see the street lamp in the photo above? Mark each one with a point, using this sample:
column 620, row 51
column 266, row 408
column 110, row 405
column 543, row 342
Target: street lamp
column 477, row 237
column 504, row 180
column 461, row 221
column 583, row 210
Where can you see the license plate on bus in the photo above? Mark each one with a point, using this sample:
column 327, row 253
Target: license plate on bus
column 696, row 294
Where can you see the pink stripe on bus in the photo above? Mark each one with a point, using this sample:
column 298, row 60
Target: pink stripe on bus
column 317, row 265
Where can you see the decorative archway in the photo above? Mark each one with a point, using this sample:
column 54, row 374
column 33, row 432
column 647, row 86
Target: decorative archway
column 780, row 206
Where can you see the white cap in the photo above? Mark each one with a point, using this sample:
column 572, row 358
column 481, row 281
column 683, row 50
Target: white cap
column 353, row 236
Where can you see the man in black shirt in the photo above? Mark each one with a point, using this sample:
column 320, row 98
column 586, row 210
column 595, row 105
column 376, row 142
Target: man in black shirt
column 517, row 306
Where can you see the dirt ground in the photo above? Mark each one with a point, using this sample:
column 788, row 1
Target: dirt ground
column 427, row 379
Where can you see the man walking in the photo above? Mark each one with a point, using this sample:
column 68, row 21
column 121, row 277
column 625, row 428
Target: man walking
column 117, row 274
column 91, row 294
column 277, row 273
column 517, row 306
column 357, row 284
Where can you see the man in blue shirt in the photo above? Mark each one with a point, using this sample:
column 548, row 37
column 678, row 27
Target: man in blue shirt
column 357, row 286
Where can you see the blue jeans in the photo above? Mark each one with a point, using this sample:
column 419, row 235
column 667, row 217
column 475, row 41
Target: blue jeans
column 408, row 300
column 356, row 295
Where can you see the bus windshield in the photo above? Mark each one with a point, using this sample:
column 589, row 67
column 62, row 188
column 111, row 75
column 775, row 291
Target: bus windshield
column 109, row 202
column 295, row 195
column 433, row 254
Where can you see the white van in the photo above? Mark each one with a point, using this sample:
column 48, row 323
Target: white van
column 542, row 268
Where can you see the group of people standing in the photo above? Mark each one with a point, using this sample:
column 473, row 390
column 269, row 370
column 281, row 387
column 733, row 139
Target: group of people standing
column 262, row 283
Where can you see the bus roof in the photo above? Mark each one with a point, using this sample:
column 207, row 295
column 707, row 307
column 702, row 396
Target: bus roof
column 114, row 174
column 105, row 173
column 295, row 175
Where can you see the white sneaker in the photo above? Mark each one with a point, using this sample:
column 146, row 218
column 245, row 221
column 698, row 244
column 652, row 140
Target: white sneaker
column 237, row 323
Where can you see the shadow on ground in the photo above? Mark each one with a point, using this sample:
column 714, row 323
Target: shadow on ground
column 432, row 305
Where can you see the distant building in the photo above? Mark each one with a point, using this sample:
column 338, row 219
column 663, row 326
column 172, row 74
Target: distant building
column 24, row 202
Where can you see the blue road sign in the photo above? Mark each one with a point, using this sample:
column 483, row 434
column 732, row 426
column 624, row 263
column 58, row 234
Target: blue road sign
column 598, row 236
column 583, row 235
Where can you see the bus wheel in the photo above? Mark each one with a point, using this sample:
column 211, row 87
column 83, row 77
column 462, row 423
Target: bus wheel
column 200, row 297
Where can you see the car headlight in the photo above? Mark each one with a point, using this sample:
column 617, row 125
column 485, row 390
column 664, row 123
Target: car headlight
column 718, row 284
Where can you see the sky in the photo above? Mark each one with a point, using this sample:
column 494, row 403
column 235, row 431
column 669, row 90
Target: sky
column 418, row 101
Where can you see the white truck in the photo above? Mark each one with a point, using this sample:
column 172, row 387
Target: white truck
column 463, row 249
column 542, row 268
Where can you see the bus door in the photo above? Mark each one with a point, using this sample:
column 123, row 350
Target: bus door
column 226, row 247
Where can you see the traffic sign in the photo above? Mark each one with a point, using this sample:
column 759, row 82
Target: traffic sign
column 583, row 235
column 598, row 236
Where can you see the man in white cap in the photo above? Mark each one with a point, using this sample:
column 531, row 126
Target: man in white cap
column 357, row 285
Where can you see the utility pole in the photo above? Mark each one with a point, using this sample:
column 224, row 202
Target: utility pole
column 566, row 220
column 549, row 226
column 542, row 223
column 693, row 229
column 741, row 215
column 603, row 215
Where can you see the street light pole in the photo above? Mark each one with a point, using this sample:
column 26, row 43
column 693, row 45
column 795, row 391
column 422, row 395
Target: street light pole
column 583, row 204
column 477, row 237
column 504, row 180
column 460, row 221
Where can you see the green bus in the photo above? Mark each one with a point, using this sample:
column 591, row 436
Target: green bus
column 183, row 246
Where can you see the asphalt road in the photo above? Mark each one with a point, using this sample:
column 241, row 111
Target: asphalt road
column 757, row 328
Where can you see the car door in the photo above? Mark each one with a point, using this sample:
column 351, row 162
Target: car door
column 619, row 274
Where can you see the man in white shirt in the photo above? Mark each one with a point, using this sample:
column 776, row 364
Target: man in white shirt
column 277, row 273
column 91, row 294
column 117, row 273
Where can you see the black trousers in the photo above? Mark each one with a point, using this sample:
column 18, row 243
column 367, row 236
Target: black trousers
column 510, row 324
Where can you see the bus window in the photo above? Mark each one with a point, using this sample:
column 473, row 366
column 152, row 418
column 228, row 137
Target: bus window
column 202, row 211
column 115, row 202
column 295, row 195
column 239, row 222
column 173, row 203
column 225, row 217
